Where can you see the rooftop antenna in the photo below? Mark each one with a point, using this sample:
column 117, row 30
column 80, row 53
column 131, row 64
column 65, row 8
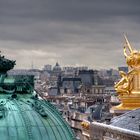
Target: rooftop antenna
column 32, row 65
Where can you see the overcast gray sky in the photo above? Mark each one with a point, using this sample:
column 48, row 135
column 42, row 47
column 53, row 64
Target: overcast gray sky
column 72, row 32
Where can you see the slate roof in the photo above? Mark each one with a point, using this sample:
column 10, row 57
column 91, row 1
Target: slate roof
column 71, row 79
column 129, row 120
column 96, row 111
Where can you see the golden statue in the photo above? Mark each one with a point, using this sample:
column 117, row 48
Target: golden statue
column 124, row 85
column 128, row 88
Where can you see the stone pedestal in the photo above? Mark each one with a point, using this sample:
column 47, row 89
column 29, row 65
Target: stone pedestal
column 129, row 102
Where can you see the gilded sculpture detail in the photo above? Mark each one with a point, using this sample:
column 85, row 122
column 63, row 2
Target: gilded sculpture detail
column 128, row 88
column 125, row 85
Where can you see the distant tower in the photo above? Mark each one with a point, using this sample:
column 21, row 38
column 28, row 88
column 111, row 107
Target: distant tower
column 57, row 68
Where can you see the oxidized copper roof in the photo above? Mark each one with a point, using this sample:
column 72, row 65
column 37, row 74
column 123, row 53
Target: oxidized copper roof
column 25, row 118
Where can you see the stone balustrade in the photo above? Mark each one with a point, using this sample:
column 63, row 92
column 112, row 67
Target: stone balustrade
column 99, row 131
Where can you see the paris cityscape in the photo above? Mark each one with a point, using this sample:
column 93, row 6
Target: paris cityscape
column 69, row 70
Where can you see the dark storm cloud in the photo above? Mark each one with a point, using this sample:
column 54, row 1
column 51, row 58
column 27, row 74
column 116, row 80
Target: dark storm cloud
column 71, row 10
column 66, row 29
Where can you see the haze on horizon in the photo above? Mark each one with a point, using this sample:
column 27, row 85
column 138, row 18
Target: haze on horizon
column 72, row 32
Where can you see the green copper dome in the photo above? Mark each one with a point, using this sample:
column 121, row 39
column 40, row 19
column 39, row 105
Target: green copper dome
column 24, row 116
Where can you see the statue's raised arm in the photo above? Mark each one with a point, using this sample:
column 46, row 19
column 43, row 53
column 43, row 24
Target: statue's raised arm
column 132, row 56
column 127, row 44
